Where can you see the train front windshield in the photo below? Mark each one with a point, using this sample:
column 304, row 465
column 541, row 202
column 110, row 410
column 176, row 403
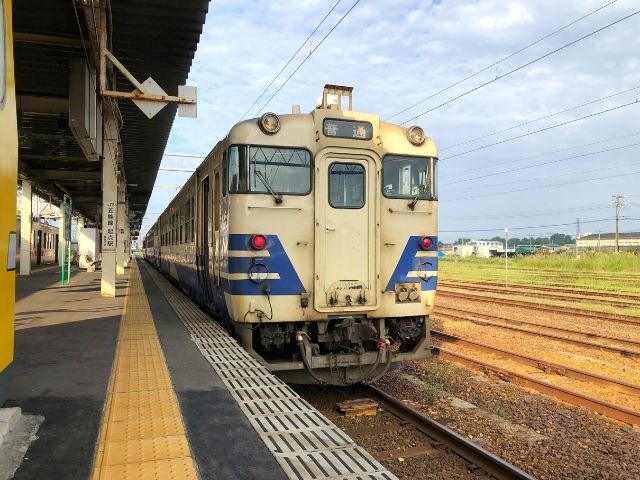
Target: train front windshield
column 409, row 177
column 257, row 169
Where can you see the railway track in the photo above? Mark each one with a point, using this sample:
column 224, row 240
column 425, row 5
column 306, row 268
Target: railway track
column 440, row 435
column 516, row 291
column 614, row 344
column 541, row 308
column 573, row 397
column 541, row 288
column 625, row 276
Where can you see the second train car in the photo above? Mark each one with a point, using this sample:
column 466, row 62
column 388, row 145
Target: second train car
column 314, row 238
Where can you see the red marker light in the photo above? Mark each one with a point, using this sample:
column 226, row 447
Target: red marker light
column 258, row 241
column 425, row 243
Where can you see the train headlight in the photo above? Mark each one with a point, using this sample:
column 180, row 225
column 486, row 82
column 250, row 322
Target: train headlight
column 258, row 241
column 425, row 243
column 269, row 123
column 416, row 135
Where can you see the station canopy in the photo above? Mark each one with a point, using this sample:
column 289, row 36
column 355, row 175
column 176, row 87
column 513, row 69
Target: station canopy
column 151, row 38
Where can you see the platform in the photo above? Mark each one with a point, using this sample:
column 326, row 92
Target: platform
column 145, row 385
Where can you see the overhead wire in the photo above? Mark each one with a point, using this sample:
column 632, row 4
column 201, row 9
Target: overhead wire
column 525, row 228
column 538, row 155
column 309, row 56
column 531, row 62
column 554, row 175
column 501, row 60
column 539, row 187
column 535, row 165
column 534, row 132
column 291, row 59
column 535, row 213
column 442, row 149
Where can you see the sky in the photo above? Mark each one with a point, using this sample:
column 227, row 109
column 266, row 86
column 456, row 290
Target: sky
column 528, row 143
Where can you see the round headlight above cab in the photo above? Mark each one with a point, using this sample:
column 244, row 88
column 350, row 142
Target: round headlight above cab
column 416, row 135
column 269, row 123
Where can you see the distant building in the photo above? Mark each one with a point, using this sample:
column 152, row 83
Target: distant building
column 477, row 248
column 607, row 241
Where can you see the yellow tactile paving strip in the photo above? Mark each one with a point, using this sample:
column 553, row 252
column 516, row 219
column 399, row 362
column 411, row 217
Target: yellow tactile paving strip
column 142, row 434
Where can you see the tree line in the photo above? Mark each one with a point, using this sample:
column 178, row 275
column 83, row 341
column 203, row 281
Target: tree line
column 554, row 239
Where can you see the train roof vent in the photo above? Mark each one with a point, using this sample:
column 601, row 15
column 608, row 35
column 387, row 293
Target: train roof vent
column 332, row 96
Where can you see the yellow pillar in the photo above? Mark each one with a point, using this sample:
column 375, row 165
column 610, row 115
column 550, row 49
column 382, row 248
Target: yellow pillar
column 8, row 182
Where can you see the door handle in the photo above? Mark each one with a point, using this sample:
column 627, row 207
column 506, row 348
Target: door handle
column 329, row 229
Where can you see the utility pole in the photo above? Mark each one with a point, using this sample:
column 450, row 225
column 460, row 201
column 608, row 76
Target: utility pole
column 617, row 201
column 577, row 234
column 506, row 258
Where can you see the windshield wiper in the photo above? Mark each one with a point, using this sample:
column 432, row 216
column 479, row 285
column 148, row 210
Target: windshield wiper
column 412, row 204
column 268, row 186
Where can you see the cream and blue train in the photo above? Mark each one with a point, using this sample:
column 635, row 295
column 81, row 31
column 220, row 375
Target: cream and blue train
column 314, row 237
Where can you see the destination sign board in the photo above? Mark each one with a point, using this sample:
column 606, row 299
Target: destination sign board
column 347, row 129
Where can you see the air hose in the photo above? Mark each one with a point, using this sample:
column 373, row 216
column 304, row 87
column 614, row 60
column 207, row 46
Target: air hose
column 381, row 346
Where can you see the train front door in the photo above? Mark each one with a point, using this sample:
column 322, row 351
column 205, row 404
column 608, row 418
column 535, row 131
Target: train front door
column 206, row 240
column 345, row 253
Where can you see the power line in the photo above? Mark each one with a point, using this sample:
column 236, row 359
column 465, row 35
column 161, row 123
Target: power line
column 538, row 119
column 544, row 186
column 537, row 155
column 309, row 56
column 566, row 45
column 535, row 213
column 555, row 175
column 501, row 60
column 524, row 228
column 291, row 59
column 568, row 122
column 540, row 164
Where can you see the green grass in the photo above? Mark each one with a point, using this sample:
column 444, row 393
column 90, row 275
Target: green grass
column 621, row 273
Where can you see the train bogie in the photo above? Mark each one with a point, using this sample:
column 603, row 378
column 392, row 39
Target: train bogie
column 315, row 237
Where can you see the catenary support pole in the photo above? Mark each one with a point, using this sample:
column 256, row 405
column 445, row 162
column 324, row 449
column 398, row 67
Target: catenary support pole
column 26, row 213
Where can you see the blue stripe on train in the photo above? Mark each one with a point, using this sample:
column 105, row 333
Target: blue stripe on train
column 276, row 262
column 410, row 262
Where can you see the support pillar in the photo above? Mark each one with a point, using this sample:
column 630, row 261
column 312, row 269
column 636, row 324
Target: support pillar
column 62, row 245
column 127, row 236
column 121, row 255
column 109, row 208
column 26, row 213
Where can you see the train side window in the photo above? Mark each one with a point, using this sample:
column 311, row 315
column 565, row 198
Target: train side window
column 346, row 185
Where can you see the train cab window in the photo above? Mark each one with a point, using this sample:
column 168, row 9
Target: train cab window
column 346, row 185
column 259, row 169
column 409, row 177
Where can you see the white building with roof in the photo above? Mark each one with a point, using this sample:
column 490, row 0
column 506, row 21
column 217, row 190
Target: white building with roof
column 477, row 248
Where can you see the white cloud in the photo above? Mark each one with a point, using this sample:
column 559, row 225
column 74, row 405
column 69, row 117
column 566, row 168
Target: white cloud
column 398, row 52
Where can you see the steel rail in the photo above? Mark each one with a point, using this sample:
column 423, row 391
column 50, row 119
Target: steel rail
column 563, row 297
column 465, row 448
column 564, row 289
column 544, row 365
column 542, row 308
column 561, row 338
column 586, row 335
column 560, row 291
column 603, row 407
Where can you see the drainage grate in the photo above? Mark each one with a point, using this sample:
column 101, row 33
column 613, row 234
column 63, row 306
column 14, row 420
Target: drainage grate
column 306, row 445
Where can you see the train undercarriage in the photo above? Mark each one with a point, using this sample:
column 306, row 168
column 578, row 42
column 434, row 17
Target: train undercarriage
column 339, row 351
